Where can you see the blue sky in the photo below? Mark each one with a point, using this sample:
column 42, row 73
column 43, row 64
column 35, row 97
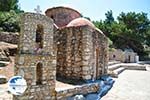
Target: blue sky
column 95, row 9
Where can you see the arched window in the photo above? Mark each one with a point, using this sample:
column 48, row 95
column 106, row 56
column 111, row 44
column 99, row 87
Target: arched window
column 52, row 16
column 39, row 37
column 39, row 73
column 114, row 56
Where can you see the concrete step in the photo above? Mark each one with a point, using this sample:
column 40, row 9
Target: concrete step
column 113, row 67
column 134, row 66
column 113, row 63
column 119, row 70
column 144, row 62
column 116, row 72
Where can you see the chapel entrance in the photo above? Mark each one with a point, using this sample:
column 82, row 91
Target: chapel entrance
column 129, row 58
column 97, row 62
column 39, row 74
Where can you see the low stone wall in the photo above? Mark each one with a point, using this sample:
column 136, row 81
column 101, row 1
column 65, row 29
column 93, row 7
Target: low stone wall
column 9, row 37
column 28, row 66
column 83, row 89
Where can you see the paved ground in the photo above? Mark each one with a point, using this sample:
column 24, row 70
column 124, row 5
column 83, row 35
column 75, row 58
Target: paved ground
column 131, row 85
column 4, row 95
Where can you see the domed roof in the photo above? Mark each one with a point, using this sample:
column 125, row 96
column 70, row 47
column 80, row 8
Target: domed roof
column 62, row 15
column 56, row 9
column 81, row 22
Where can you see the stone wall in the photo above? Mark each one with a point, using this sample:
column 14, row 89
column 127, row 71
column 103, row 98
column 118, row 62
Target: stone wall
column 95, row 53
column 26, row 66
column 117, row 55
column 9, row 37
column 38, row 69
column 123, row 56
column 100, row 52
column 81, row 54
column 76, row 52
column 83, row 89
column 28, row 33
column 130, row 57
column 69, row 52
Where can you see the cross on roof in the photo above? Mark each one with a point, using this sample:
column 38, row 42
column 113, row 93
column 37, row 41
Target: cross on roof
column 38, row 9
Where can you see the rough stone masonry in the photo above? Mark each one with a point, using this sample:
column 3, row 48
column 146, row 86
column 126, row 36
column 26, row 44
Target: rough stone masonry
column 78, row 50
column 38, row 69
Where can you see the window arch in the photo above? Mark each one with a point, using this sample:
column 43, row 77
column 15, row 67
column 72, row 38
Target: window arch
column 39, row 73
column 39, row 37
column 114, row 56
column 52, row 16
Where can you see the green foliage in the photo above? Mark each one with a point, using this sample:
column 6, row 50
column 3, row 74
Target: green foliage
column 131, row 30
column 110, row 43
column 147, row 37
column 9, row 21
column 9, row 15
column 138, row 23
column 88, row 18
column 109, row 17
column 106, row 25
column 112, row 49
column 7, row 5
column 135, row 32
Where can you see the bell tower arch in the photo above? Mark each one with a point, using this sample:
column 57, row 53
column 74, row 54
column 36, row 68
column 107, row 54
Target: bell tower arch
column 36, row 57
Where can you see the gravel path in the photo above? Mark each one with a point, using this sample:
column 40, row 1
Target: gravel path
column 130, row 85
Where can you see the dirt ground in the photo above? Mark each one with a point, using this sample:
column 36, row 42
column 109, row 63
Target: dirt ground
column 8, row 71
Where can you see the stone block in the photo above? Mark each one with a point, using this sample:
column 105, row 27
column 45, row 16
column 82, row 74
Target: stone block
column 87, row 77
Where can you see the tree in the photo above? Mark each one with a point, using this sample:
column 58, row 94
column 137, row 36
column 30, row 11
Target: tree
column 9, row 21
column 7, row 5
column 147, row 38
column 131, row 30
column 109, row 17
column 9, row 15
column 137, row 26
column 108, row 23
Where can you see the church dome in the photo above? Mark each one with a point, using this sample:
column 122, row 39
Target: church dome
column 62, row 15
column 81, row 22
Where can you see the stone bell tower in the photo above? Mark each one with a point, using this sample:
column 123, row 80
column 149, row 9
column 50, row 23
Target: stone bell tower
column 36, row 60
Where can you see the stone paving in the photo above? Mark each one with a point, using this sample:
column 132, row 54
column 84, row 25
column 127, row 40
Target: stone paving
column 4, row 95
column 130, row 85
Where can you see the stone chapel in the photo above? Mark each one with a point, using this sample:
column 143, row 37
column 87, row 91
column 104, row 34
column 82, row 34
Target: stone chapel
column 82, row 49
column 60, row 43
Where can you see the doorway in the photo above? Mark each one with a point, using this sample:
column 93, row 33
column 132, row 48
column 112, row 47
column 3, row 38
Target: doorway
column 97, row 62
column 129, row 58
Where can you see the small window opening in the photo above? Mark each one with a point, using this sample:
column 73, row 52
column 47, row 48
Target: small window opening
column 114, row 56
column 39, row 38
column 39, row 74
column 52, row 17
